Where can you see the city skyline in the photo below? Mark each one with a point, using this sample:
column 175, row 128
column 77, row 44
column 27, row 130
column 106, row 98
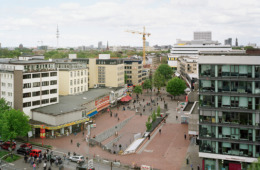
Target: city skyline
column 86, row 23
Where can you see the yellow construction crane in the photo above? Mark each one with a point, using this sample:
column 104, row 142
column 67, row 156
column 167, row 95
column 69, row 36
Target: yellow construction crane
column 144, row 34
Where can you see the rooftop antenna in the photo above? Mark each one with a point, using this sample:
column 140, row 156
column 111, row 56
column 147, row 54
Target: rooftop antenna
column 57, row 36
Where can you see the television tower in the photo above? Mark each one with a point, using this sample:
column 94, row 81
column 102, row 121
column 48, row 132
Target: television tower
column 57, row 36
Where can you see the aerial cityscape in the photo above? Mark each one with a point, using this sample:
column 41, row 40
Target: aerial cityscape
column 120, row 84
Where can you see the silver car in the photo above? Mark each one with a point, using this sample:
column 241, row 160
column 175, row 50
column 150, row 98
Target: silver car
column 77, row 159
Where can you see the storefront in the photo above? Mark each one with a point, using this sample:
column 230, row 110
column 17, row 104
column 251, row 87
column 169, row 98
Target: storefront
column 102, row 103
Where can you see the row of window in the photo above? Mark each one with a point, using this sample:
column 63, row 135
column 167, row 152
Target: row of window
column 78, row 73
column 38, row 75
column 38, row 84
column 39, row 67
column 7, row 76
column 39, row 102
column 38, row 93
column 77, row 89
column 78, row 81
column 9, row 94
column 9, row 85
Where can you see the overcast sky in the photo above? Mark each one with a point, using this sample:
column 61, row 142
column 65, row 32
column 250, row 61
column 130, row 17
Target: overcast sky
column 85, row 22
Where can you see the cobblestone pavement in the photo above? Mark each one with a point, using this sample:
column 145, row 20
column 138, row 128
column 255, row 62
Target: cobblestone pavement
column 164, row 151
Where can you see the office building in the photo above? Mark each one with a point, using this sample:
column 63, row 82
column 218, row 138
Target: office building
column 229, row 99
column 202, row 35
column 228, row 41
column 100, row 45
column 73, row 77
column 134, row 71
column 26, row 85
column 104, row 72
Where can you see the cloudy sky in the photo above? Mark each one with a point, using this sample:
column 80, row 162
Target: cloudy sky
column 85, row 22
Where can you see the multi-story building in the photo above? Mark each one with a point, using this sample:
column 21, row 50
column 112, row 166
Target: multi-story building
column 73, row 77
column 134, row 71
column 104, row 72
column 28, row 84
column 228, row 41
column 202, row 35
column 229, row 99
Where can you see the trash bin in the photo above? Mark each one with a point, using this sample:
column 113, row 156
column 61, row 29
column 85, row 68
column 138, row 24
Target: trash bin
column 187, row 161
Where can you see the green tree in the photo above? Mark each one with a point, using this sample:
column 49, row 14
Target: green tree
column 13, row 123
column 158, row 111
column 153, row 116
column 138, row 90
column 166, row 71
column 126, row 78
column 158, row 80
column 148, row 124
column 3, row 106
column 176, row 86
column 255, row 165
column 147, row 84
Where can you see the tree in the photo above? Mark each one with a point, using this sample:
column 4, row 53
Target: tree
column 13, row 123
column 158, row 80
column 166, row 71
column 3, row 106
column 255, row 165
column 126, row 77
column 153, row 116
column 147, row 84
column 176, row 86
column 138, row 90
column 158, row 111
column 148, row 124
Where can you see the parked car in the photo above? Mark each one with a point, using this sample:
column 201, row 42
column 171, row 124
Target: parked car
column 26, row 145
column 55, row 157
column 77, row 159
column 6, row 145
column 35, row 152
column 24, row 151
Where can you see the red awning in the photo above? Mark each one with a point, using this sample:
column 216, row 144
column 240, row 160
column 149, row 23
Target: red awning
column 124, row 99
column 130, row 98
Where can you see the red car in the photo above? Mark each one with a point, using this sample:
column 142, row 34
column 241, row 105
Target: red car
column 35, row 152
column 26, row 145
column 6, row 145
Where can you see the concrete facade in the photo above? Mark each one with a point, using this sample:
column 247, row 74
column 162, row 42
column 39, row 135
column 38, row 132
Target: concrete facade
column 133, row 70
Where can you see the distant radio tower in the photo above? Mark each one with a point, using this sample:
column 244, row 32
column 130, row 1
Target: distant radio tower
column 57, row 36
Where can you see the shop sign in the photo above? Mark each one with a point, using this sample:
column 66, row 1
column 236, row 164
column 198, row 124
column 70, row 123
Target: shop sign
column 101, row 101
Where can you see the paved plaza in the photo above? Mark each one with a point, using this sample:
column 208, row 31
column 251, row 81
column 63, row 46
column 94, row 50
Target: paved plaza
column 167, row 150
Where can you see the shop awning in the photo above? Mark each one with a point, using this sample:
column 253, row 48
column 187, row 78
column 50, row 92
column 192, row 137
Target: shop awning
column 92, row 114
column 103, row 106
column 124, row 99
column 130, row 98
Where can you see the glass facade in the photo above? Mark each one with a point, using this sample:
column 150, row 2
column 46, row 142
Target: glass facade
column 229, row 111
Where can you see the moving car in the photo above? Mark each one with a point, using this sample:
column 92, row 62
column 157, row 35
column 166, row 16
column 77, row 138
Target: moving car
column 55, row 157
column 77, row 159
column 26, row 145
column 24, row 151
column 35, row 152
column 6, row 145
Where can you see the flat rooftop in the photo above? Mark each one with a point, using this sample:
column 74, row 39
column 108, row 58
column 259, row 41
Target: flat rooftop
column 73, row 102
column 236, row 60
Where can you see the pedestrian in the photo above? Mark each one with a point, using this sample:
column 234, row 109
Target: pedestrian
column 157, row 103
column 111, row 114
column 143, row 110
column 149, row 137
column 141, row 114
column 45, row 165
column 83, row 133
column 64, row 156
column 185, row 136
column 143, row 100
column 34, row 166
column 176, row 117
column 71, row 141
column 160, row 131
column 118, row 119
column 49, row 168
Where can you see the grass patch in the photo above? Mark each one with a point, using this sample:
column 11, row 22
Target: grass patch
column 3, row 153
column 9, row 158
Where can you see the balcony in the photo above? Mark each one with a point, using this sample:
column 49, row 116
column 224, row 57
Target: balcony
column 210, row 91
column 227, row 109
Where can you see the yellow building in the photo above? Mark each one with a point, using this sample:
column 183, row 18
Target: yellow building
column 73, row 78
column 134, row 71
column 104, row 72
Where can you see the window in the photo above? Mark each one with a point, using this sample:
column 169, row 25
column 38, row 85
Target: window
column 71, row 90
column 26, row 95
column 45, row 92
column 78, row 81
column 45, row 101
column 3, row 84
column 78, row 73
column 36, row 75
column 82, row 81
column 10, row 85
column 85, row 80
column 78, row 89
column 36, row 93
column 75, row 89
column 53, row 82
column 38, row 102
column 53, row 74
column 53, row 99
column 27, row 76
column 81, row 73
column 36, row 84
column 52, row 91
column 71, row 82
column 10, row 94
column 75, row 81
column 85, row 72
column 3, row 93
column 45, row 74
column 45, row 83
column 71, row 74
column 27, row 104
column 27, row 85
column 81, row 88
column 75, row 73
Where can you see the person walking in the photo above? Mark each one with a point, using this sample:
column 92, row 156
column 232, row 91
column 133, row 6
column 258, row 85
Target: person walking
column 176, row 117
column 45, row 165
column 160, row 131
column 34, row 166
column 185, row 136
column 71, row 141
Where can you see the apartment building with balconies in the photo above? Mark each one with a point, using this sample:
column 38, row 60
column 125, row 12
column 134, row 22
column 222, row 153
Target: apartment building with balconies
column 229, row 108
column 26, row 85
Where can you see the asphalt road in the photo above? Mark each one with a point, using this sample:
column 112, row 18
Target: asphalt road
column 20, row 165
